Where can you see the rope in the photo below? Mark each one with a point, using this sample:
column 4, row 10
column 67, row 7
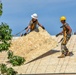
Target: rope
column 19, row 32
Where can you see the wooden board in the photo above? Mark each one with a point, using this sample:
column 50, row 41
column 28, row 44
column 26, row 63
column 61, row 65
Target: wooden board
column 33, row 44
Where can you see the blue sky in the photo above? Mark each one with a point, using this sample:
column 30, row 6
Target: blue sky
column 17, row 13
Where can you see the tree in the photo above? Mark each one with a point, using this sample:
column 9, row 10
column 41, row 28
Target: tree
column 1, row 7
column 5, row 36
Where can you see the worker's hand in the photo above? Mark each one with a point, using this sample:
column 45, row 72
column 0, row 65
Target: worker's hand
column 26, row 28
column 43, row 27
column 57, row 35
column 25, row 33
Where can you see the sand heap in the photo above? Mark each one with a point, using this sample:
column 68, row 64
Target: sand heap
column 33, row 44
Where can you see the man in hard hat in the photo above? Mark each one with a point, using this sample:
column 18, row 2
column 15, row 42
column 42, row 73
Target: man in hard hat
column 66, row 36
column 33, row 23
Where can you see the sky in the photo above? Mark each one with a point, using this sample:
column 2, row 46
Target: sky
column 17, row 14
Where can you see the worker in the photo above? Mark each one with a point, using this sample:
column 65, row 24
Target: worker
column 33, row 24
column 66, row 32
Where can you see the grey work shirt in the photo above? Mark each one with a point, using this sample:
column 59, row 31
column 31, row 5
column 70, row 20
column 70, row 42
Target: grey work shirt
column 33, row 25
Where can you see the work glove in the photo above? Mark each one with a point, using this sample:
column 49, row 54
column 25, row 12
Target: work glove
column 57, row 34
column 26, row 27
column 43, row 27
column 25, row 34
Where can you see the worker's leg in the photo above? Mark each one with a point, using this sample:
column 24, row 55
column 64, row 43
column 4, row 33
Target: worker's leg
column 67, row 51
column 63, row 52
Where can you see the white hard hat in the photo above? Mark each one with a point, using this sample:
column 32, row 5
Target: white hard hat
column 34, row 16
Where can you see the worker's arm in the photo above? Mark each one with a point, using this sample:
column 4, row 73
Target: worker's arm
column 41, row 25
column 59, row 34
column 69, row 28
column 27, row 28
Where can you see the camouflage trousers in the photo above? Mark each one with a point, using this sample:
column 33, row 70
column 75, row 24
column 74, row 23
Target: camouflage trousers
column 64, row 49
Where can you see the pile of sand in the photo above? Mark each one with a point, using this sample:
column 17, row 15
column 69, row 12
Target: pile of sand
column 33, row 44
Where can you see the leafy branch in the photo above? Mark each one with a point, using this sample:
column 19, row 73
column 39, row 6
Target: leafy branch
column 5, row 36
column 15, row 60
column 7, row 71
column 1, row 7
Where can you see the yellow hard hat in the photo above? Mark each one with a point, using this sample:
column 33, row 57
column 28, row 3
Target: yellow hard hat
column 62, row 18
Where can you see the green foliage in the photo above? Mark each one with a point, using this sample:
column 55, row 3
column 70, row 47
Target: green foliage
column 1, row 7
column 4, row 46
column 5, row 32
column 10, row 71
column 5, row 36
column 3, row 68
column 15, row 60
column 10, row 54
column 7, row 71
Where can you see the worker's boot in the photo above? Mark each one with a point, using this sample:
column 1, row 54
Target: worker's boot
column 67, row 53
column 62, row 56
